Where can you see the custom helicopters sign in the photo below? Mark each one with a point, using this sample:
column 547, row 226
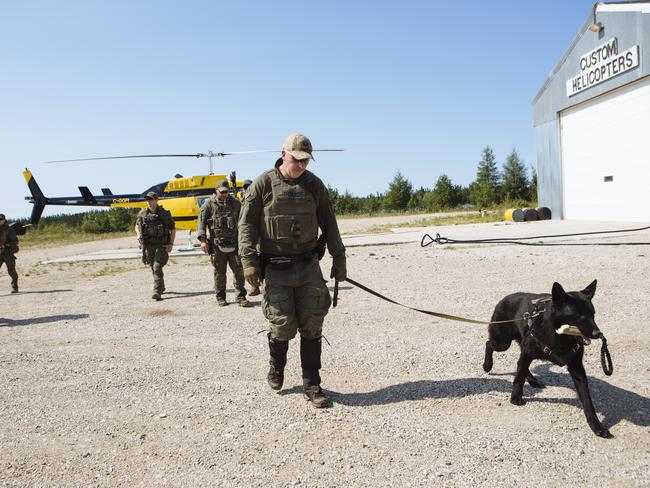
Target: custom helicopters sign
column 601, row 64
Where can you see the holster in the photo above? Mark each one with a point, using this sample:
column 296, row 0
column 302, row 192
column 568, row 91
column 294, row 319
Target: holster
column 145, row 255
column 320, row 246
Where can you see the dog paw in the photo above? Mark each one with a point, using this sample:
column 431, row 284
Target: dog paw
column 517, row 401
column 604, row 433
column 535, row 383
column 487, row 366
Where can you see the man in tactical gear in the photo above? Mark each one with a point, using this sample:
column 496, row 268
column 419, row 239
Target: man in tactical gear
column 8, row 250
column 220, row 214
column 281, row 214
column 156, row 231
column 255, row 291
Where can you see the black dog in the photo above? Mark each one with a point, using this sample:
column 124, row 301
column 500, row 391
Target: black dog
column 538, row 316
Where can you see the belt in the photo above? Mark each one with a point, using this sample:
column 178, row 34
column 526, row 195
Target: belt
column 288, row 259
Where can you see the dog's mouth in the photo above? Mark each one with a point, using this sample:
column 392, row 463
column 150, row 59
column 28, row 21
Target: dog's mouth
column 574, row 330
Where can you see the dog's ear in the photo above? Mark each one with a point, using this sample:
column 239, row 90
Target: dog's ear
column 559, row 295
column 590, row 291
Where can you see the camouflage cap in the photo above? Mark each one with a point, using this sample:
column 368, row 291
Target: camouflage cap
column 298, row 146
column 222, row 185
column 151, row 195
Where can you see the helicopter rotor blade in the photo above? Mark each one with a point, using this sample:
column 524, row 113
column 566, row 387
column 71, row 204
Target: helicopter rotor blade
column 273, row 151
column 197, row 155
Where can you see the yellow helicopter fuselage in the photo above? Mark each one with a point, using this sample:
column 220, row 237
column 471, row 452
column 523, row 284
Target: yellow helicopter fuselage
column 174, row 198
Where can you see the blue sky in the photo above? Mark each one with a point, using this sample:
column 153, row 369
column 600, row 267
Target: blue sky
column 420, row 87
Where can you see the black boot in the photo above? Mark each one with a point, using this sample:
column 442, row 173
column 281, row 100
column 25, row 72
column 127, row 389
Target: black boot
column 278, row 351
column 310, row 350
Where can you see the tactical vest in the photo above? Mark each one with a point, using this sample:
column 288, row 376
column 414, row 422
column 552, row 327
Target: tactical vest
column 289, row 222
column 223, row 226
column 154, row 231
column 8, row 239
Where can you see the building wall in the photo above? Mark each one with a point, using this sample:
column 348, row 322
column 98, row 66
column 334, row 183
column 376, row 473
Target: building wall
column 549, row 184
column 631, row 29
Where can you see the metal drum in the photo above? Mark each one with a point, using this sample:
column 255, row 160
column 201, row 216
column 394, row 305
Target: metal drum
column 514, row 215
column 544, row 213
column 530, row 214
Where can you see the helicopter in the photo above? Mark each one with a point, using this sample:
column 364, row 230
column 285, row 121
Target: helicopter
column 182, row 196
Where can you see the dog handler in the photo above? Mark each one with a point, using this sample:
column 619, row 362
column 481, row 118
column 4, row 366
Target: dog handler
column 155, row 231
column 219, row 215
column 8, row 250
column 281, row 213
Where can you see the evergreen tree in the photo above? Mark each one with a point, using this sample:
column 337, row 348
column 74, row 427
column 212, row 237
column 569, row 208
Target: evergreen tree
column 333, row 193
column 444, row 194
column 372, row 203
column 515, row 180
column 484, row 191
column 416, row 201
column 347, row 203
column 399, row 193
column 121, row 219
column 96, row 222
column 533, row 184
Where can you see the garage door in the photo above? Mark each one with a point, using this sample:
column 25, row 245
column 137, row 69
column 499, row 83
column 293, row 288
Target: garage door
column 606, row 156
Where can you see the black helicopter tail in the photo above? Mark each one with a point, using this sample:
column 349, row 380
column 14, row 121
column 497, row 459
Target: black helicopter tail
column 38, row 199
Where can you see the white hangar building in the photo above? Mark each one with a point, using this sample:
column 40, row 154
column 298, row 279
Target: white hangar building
column 592, row 120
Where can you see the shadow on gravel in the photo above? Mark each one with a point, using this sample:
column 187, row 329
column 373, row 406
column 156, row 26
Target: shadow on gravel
column 41, row 320
column 171, row 295
column 614, row 403
column 30, row 292
column 420, row 390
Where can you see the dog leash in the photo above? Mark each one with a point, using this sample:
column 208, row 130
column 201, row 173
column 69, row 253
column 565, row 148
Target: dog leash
column 427, row 312
column 606, row 358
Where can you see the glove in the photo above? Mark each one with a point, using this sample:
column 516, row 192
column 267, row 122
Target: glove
column 252, row 276
column 339, row 271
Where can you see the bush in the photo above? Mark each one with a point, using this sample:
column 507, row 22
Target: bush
column 96, row 223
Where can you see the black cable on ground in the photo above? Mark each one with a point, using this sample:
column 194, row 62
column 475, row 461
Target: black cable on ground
column 508, row 240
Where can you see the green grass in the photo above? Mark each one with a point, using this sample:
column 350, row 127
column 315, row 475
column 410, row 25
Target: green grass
column 470, row 218
column 382, row 213
column 52, row 239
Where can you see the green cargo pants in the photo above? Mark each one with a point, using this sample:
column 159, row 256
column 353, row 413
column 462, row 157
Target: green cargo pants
column 10, row 260
column 295, row 299
column 219, row 261
column 156, row 257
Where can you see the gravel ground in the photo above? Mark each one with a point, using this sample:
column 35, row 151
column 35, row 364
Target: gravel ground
column 101, row 386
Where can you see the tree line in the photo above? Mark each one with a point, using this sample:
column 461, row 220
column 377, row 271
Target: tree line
column 511, row 186
column 92, row 222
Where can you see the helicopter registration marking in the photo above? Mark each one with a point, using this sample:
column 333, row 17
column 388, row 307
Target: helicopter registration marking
column 121, row 200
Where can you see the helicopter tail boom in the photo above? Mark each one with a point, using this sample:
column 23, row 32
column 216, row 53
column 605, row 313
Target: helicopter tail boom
column 38, row 199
